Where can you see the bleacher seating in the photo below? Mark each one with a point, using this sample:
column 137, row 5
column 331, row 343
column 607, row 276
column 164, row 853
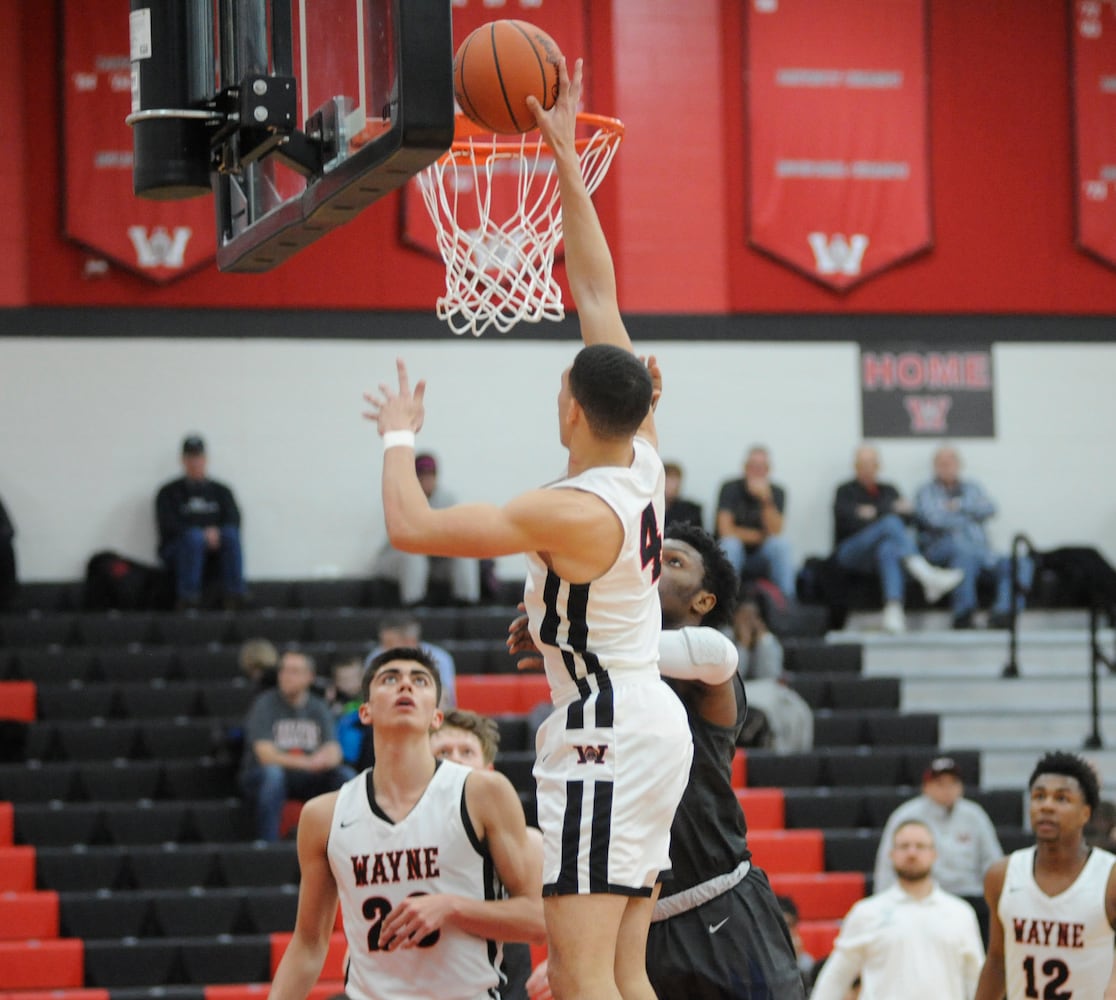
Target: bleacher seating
column 127, row 855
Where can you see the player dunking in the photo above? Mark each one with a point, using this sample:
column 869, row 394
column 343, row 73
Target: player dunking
column 1053, row 905
column 613, row 758
column 717, row 932
column 417, row 851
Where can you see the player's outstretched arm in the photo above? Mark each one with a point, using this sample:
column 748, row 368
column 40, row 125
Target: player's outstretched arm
column 993, row 979
column 302, row 962
column 589, row 265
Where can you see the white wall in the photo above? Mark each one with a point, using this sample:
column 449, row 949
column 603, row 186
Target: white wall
column 90, row 428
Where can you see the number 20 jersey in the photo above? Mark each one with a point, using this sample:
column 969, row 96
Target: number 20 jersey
column 1056, row 946
column 378, row 863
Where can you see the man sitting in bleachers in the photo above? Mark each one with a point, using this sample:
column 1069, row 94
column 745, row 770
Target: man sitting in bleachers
column 951, row 513
column 290, row 750
column 870, row 535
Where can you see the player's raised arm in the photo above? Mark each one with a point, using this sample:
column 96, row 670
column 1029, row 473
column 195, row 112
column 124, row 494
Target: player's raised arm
column 589, row 265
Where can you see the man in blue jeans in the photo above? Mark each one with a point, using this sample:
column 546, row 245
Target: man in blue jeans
column 290, row 749
column 871, row 535
column 749, row 522
column 951, row 514
column 198, row 517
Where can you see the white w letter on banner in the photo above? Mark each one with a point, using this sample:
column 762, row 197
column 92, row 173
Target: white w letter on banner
column 835, row 254
column 160, row 249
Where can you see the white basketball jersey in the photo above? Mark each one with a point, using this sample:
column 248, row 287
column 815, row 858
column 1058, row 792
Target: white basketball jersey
column 613, row 622
column 1056, row 946
column 378, row 863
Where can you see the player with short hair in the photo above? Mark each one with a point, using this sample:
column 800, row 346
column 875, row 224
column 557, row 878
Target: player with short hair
column 717, row 930
column 417, row 851
column 466, row 737
column 1053, row 905
column 614, row 756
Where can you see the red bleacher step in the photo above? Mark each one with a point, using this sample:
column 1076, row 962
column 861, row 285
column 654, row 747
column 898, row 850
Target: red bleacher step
column 91, row 993
column 502, row 694
column 818, row 936
column 787, row 851
column 7, row 824
column 764, row 808
column 821, row 896
column 17, row 868
column 258, row 991
column 26, row 915
column 33, row 965
column 17, row 701
column 740, row 769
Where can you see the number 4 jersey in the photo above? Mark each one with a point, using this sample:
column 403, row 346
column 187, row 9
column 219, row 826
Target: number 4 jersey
column 612, row 623
column 1056, row 947
column 378, row 863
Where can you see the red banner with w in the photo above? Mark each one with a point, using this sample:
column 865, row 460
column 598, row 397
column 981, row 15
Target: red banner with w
column 838, row 135
column 161, row 240
column 1094, row 115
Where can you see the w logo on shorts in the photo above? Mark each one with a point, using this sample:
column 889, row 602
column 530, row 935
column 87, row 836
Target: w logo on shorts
column 591, row 754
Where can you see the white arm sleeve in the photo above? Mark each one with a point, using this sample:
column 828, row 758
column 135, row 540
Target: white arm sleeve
column 697, row 653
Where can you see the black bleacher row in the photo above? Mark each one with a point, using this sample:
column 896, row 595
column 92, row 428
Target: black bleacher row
column 126, row 783
column 119, row 780
column 280, row 625
column 211, row 662
column 68, row 595
column 158, row 962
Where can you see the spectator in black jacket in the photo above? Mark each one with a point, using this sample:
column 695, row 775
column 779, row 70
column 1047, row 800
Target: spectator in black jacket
column 198, row 518
column 870, row 536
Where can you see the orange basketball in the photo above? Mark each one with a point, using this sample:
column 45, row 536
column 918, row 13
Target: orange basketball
column 497, row 67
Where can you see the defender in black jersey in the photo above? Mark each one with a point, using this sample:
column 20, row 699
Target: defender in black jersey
column 717, row 931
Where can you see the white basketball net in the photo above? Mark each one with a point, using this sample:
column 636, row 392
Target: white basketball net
column 495, row 208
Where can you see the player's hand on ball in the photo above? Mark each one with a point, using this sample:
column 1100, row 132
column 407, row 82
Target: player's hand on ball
column 559, row 124
column 397, row 410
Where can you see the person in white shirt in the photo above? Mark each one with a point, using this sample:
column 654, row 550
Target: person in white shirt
column 915, row 941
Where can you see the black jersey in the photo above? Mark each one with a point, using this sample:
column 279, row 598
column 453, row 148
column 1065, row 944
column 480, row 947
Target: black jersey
column 709, row 836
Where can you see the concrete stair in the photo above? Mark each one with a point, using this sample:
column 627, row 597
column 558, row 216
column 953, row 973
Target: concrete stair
column 1012, row 721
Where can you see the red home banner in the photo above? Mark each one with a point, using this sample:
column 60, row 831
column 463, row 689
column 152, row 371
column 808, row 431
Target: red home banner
column 162, row 240
column 837, row 134
column 566, row 22
column 1094, row 114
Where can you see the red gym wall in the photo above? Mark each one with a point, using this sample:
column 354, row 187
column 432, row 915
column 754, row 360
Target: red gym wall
column 674, row 205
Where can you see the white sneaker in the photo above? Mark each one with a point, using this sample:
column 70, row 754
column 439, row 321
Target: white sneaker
column 937, row 581
column 893, row 621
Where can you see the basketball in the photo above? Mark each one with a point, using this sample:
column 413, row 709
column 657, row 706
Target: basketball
column 497, row 67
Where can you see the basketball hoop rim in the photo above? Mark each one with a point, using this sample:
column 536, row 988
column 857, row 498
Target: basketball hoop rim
column 468, row 135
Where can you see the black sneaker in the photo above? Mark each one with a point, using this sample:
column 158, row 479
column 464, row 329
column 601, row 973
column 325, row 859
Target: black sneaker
column 964, row 620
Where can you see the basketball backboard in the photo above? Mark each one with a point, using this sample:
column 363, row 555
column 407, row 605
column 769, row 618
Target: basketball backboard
column 308, row 111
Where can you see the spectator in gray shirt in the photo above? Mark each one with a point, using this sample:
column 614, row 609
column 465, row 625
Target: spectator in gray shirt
column 966, row 840
column 290, row 749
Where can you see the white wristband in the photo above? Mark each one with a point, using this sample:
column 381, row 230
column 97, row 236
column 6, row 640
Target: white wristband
column 398, row 439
